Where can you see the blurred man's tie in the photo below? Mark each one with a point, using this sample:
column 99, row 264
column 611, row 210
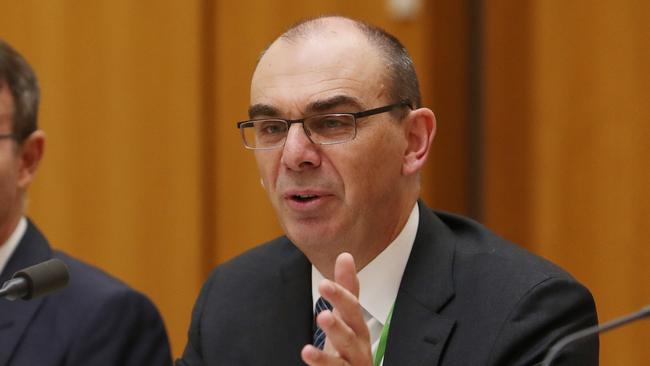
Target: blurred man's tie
column 319, row 335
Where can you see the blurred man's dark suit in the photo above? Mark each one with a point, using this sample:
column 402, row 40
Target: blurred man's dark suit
column 96, row 320
column 467, row 298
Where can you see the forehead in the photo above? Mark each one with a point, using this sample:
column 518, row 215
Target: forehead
column 325, row 64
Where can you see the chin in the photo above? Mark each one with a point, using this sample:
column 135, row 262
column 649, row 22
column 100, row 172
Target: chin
column 311, row 233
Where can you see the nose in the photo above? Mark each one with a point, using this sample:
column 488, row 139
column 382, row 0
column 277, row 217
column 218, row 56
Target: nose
column 299, row 153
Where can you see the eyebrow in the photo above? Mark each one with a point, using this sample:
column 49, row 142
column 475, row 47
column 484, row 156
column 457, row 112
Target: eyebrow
column 262, row 110
column 333, row 102
column 319, row 106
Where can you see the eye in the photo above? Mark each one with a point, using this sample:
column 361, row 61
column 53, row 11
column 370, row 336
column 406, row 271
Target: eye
column 271, row 127
column 331, row 123
column 334, row 122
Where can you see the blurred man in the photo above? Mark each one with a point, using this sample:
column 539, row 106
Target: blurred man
column 340, row 138
column 96, row 319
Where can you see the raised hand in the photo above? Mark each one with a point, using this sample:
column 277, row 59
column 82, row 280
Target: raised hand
column 347, row 337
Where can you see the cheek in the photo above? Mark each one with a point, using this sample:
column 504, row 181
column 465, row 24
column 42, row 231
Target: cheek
column 8, row 181
column 378, row 167
column 268, row 163
column 374, row 170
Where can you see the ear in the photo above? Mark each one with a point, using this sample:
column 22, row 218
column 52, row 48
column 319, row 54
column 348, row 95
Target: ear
column 420, row 131
column 30, row 153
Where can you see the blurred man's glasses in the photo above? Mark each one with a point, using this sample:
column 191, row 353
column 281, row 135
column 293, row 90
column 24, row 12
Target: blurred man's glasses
column 7, row 136
column 321, row 129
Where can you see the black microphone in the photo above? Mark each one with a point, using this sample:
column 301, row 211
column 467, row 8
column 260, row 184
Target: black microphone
column 36, row 280
column 557, row 347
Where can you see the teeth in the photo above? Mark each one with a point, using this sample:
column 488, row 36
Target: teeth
column 305, row 196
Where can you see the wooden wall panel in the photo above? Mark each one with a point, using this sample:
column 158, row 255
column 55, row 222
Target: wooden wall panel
column 121, row 107
column 573, row 116
column 444, row 79
column 592, row 156
column 506, row 156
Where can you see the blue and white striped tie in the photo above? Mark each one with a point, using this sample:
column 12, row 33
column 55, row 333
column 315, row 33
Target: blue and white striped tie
column 319, row 335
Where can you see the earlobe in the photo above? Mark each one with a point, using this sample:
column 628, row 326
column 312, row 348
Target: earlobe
column 30, row 154
column 421, row 130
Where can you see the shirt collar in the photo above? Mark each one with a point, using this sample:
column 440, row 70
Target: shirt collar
column 379, row 281
column 8, row 247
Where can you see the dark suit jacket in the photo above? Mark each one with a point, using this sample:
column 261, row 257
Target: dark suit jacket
column 95, row 321
column 467, row 297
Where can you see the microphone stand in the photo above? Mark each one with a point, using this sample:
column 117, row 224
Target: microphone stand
column 557, row 347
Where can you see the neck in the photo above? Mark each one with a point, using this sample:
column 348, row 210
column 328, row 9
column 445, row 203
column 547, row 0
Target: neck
column 7, row 227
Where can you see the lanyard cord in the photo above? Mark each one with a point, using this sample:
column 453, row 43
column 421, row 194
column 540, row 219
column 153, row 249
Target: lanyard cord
column 381, row 348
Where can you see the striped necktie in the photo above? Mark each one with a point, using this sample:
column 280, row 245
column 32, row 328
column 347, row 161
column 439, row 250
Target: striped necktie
column 319, row 335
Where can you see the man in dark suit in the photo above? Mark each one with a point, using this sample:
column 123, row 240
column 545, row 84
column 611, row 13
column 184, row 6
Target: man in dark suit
column 96, row 320
column 339, row 137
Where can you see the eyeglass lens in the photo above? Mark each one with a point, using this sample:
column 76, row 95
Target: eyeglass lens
column 321, row 129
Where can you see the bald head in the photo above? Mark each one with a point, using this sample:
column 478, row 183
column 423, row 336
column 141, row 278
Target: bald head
column 400, row 77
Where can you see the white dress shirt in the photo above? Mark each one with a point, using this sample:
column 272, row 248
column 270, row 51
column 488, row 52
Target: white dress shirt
column 8, row 247
column 379, row 281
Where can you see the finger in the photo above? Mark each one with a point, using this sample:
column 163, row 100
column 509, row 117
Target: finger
column 312, row 356
column 338, row 335
column 345, row 305
column 329, row 348
column 341, row 338
column 345, row 273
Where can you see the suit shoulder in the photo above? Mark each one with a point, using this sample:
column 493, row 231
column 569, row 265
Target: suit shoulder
column 89, row 285
column 263, row 258
column 257, row 268
column 493, row 257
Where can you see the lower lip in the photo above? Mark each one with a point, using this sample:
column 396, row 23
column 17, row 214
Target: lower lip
column 306, row 206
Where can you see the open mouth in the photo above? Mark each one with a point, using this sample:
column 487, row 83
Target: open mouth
column 304, row 197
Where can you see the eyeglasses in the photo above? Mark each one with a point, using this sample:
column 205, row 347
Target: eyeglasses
column 7, row 136
column 321, row 129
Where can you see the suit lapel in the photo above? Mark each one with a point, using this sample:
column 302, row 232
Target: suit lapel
column 16, row 315
column 418, row 333
column 294, row 317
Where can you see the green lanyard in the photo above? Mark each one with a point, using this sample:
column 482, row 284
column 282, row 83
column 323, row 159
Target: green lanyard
column 381, row 348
